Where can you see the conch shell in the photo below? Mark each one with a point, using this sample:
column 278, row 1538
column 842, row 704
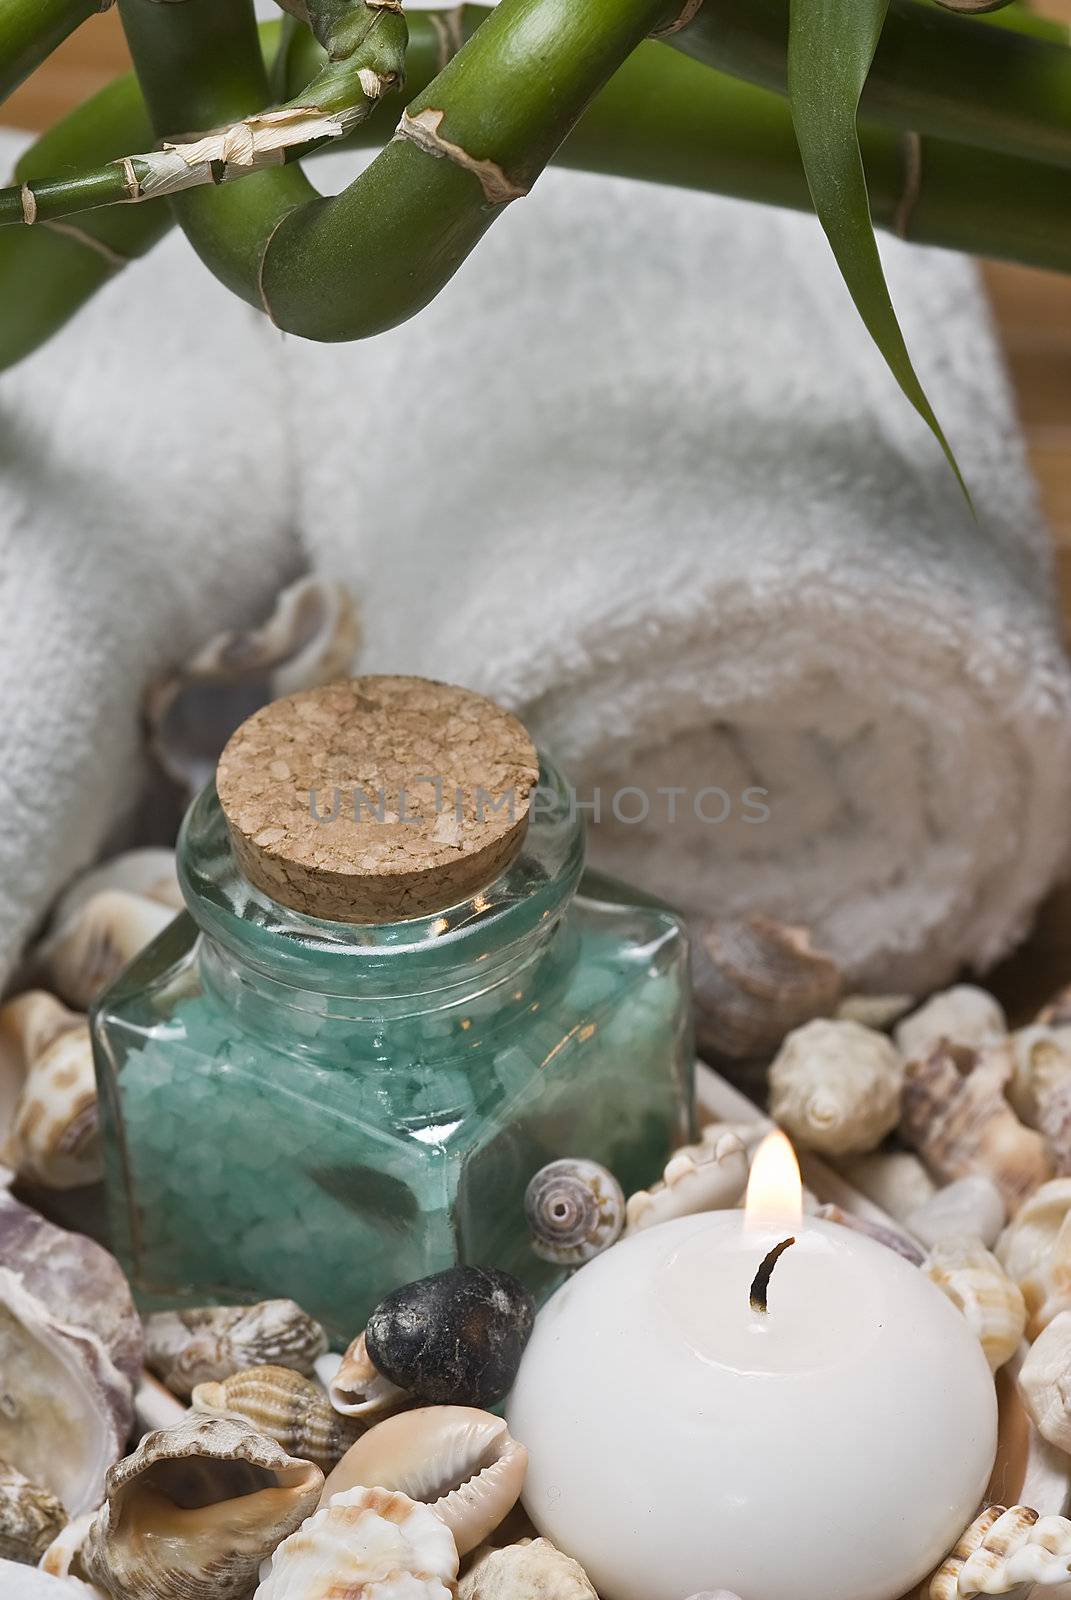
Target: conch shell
column 754, row 980
column 194, row 1511
column 1045, row 1382
column 284, row 1406
column 84, row 954
column 575, row 1209
column 977, row 1285
column 534, row 1569
column 956, row 1116
column 311, row 637
column 53, row 1136
column 1035, row 1252
column 30, row 1517
column 1004, row 1552
column 835, row 1087
column 70, row 1354
column 964, row 1015
column 368, row 1544
column 460, row 1461
column 185, row 1348
column 710, row 1176
column 359, row 1389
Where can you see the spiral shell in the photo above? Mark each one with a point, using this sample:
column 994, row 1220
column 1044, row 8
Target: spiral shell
column 30, row 1517
column 754, row 981
column 710, row 1176
column 575, row 1210
column 956, row 1116
column 1035, row 1252
column 975, row 1282
column 359, row 1389
column 460, row 1461
column 835, row 1087
column 368, row 1544
column 84, row 954
column 533, row 1569
column 148, row 872
column 193, row 1512
column 284, row 1406
column 185, row 1348
column 1003, row 1551
column 55, row 1136
column 963, row 1015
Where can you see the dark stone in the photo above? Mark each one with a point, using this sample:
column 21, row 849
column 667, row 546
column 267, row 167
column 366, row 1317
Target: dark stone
column 453, row 1339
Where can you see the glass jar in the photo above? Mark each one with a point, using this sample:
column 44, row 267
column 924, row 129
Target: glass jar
column 325, row 1110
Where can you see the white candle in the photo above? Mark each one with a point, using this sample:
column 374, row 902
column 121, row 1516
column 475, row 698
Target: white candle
column 830, row 1447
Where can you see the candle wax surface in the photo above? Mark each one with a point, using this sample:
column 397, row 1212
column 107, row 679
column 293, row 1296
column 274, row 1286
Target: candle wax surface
column 831, row 1448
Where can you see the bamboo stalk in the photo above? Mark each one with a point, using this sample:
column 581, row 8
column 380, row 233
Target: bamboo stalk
column 936, row 74
column 31, row 29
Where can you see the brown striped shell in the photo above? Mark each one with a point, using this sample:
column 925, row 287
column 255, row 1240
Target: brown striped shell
column 207, row 1344
column 284, row 1406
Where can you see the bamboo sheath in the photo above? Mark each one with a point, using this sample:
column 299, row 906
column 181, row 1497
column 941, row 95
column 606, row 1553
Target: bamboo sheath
column 661, row 117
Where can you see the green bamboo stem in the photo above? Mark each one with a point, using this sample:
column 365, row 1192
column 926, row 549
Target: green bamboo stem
column 935, row 74
column 662, row 117
column 31, row 29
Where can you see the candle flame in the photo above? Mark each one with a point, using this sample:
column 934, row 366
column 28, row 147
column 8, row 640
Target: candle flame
column 775, row 1188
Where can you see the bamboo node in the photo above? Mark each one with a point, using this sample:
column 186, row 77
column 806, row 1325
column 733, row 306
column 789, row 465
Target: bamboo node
column 29, row 205
column 449, row 31
column 423, row 131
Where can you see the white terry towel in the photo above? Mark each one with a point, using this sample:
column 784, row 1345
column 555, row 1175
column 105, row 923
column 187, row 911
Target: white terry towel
column 638, row 474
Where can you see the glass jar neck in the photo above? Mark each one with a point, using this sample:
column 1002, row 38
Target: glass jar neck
column 261, row 957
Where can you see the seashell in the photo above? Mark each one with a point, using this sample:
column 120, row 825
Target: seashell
column 460, row 1461
column 55, row 1133
column 956, row 1116
column 754, row 980
column 1005, row 1552
column 185, row 1348
column 70, row 1354
column 194, row 1511
column 878, row 1011
column 962, row 1015
column 27, row 1583
column 896, row 1181
column 63, row 1558
column 1041, row 1059
column 891, row 1238
column 1045, row 1382
column 455, row 1338
column 970, row 1207
column 976, row 1283
column 83, row 955
column 574, row 1209
column 358, row 1389
column 284, row 1406
column 30, row 1517
column 534, row 1569
column 311, row 637
column 1035, row 1252
column 148, row 872
column 368, row 1544
column 1057, row 1014
column 700, row 1177
column 155, row 1406
column 835, row 1087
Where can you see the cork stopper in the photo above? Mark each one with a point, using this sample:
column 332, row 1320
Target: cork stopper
column 377, row 798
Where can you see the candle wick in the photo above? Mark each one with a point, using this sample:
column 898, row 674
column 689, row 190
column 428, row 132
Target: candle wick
column 760, row 1287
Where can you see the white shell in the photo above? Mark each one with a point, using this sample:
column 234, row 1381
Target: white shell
column 70, row 1352
column 148, row 872
column 185, row 1348
column 359, row 1389
column 1045, row 1382
column 710, row 1176
column 1035, row 1251
column 29, row 1583
column 835, row 1087
column 368, row 1544
column 311, row 637
column 1041, row 1059
column 63, row 1555
column 460, row 1461
column 1005, row 1552
column 155, row 1406
column 963, row 1015
column 976, row 1283
column 194, row 1510
column 534, row 1569
column 878, row 1011
column 895, row 1180
column 102, row 936
column 968, row 1207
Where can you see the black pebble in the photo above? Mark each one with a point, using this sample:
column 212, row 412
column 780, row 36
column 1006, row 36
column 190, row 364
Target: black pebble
column 454, row 1339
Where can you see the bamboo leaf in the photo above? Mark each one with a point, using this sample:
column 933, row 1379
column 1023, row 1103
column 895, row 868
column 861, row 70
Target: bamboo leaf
column 830, row 51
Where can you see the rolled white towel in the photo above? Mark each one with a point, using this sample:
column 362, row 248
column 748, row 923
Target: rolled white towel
column 640, row 474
